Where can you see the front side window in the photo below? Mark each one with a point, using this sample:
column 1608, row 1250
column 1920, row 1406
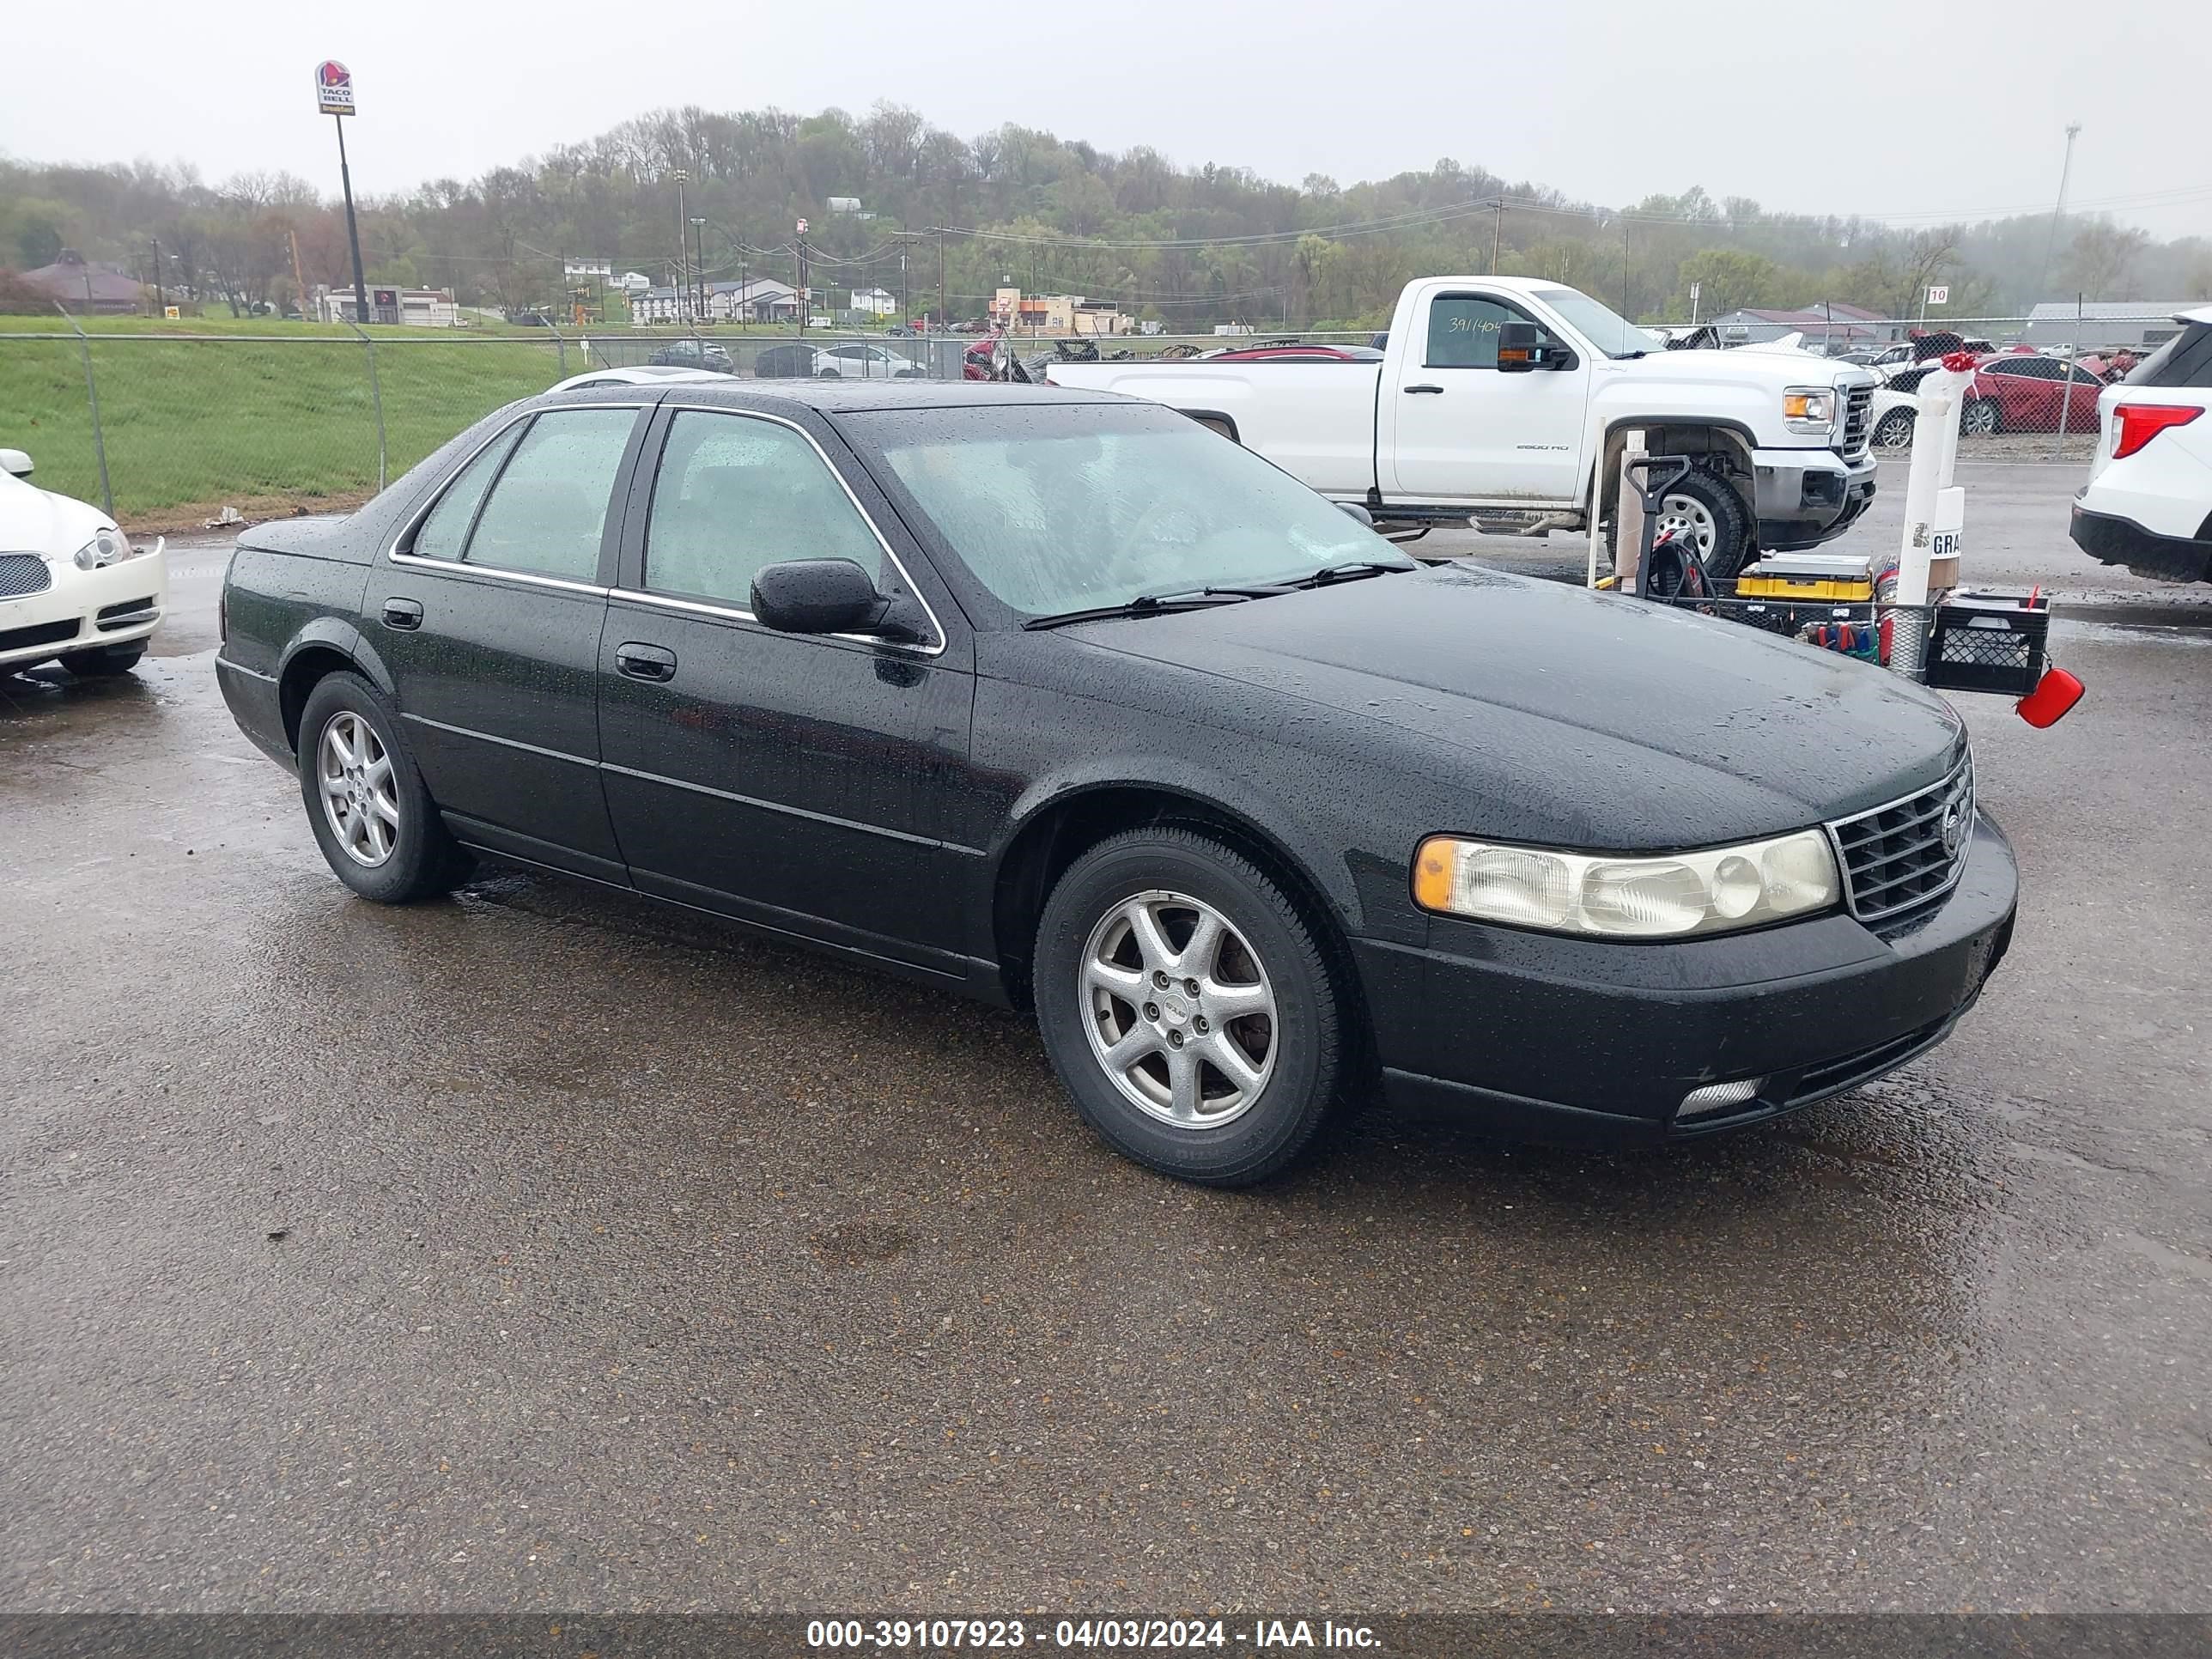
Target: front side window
column 548, row 509
column 735, row 494
column 1463, row 331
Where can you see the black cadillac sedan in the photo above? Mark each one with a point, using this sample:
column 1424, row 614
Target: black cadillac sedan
column 1062, row 700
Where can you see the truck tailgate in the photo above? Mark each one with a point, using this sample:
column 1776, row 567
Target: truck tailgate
column 1314, row 419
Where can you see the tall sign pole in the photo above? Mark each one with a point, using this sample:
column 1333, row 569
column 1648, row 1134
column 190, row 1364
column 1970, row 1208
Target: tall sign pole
column 334, row 98
column 680, row 280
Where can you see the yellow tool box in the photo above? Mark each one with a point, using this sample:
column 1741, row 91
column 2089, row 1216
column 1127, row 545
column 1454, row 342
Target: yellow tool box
column 1806, row 576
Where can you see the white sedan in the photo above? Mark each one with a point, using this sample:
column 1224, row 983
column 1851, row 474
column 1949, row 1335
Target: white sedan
column 72, row 585
column 857, row 360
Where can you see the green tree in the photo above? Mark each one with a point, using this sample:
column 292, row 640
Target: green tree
column 1728, row 280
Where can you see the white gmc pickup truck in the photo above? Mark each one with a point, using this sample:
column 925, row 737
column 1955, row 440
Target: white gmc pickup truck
column 1506, row 400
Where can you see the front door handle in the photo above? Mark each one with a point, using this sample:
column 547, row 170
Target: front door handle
column 644, row 662
column 1423, row 386
column 403, row 614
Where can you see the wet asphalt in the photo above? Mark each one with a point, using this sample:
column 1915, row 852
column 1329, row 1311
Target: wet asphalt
column 542, row 1249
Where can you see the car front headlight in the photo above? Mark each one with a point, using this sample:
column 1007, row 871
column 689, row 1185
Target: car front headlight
column 1718, row 891
column 106, row 548
column 1808, row 407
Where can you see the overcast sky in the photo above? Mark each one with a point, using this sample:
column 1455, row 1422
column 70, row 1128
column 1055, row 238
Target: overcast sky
column 1892, row 108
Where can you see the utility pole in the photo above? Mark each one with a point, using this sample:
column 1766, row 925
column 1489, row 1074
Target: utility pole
column 1497, row 231
column 940, row 277
column 160, row 299
column 1624, row 264
column 681, row 279
column 2058, row 212
column 298, row 281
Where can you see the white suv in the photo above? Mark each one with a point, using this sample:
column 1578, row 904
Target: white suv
column 2148, row 501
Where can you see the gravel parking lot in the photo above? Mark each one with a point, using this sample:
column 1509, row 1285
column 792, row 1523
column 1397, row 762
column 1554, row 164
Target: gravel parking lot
column 542, row 1249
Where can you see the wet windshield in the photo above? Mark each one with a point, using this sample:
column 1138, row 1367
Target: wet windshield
column 1600, row 324
column 1067, row 508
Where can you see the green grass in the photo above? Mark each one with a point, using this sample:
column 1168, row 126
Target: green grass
column 191, row 425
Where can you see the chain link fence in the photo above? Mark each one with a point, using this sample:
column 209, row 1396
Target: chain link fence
column 171, row 430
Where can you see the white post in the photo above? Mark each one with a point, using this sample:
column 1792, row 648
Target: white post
column 1628, row 520
column 1938, row 409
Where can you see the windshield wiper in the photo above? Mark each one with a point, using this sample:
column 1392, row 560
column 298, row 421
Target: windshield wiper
column 1351, row 571
column 1145, row 604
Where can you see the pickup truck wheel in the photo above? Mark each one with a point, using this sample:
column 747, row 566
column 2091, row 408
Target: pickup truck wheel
column 1706, row 512
column 376, row 823
column 1187, row 1007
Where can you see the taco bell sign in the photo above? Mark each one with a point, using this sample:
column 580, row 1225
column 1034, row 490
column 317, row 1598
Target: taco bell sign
column 333, row 88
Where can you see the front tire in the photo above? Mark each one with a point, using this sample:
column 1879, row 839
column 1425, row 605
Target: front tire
column 1187, row 1007
column 1705, row 512
column 106, row 662
column 378, row 828
column 1894, row 430
column 1981, row 417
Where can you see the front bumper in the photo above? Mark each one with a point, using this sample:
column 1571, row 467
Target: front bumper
column 1591, row 1042
column 84, row 610
column 1803, row 497
column 2113, row 540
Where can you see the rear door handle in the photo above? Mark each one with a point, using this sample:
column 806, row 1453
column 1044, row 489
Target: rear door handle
column 644, row 662
column 403, row 614
column 1423, row 388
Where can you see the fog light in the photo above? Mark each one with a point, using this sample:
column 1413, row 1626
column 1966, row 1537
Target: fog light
column 1719, row 1097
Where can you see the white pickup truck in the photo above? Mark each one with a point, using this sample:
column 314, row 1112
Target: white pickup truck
column 1506, row 400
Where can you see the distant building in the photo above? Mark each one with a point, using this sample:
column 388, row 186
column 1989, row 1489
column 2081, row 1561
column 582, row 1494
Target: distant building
column 761, row 300
column 413, row 307
column 1056, row 313
column 2104, row 324
column 1829, row 321
column 875, row 301
column 632, row 281
column 75, row 284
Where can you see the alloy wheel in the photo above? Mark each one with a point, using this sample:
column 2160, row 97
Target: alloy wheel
column 359, row 797
column 1691, row 521
column 1179, row 1008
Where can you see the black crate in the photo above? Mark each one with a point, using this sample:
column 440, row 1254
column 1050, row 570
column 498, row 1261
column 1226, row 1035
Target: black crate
column 1989, row 642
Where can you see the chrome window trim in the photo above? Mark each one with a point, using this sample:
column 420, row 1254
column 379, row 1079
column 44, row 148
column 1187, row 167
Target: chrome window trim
column 738, row 612
column 413, row 522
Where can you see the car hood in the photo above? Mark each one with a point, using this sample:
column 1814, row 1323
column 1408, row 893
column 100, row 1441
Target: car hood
column 1763, row 367
column 34, row 520
column 1613, row 722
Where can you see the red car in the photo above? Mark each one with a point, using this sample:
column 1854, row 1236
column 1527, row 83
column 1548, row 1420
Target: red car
column 1294, row 354
column 2027, row 392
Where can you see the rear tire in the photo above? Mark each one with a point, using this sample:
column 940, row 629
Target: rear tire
column 105, row 662
column 1227, row 1085
column 375, row 822
column 1981, row 417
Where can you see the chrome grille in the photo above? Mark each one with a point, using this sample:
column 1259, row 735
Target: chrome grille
column 1895, row 859
column 1858, row 420
column 21, row 573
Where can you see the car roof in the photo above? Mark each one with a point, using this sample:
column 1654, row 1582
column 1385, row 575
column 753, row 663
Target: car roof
column 851, row 397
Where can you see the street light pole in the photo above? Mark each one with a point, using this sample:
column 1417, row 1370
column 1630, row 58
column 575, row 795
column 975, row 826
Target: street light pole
column 699, row 260
column 2057, row 212
column 682, row 282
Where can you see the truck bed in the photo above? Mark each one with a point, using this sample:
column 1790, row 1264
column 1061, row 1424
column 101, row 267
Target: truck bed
column 1314, row 419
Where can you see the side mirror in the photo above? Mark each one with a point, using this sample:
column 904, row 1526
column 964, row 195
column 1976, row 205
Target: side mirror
column 821, row 596
column 1525, row 346
column 15, row 461
column 1359, row 512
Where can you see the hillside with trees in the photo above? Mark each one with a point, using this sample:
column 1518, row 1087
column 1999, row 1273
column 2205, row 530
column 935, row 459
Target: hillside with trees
column 1192, row 246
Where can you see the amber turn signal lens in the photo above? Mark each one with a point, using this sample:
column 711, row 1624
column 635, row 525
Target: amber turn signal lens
column 1432, row 874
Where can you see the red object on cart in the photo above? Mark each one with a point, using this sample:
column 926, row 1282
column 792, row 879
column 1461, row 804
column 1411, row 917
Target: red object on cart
column 2052, row 700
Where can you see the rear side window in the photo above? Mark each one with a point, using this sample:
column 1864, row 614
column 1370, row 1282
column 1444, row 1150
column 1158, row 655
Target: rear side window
column 1463, row 331
column 735, row 494
column 549, row 504
column 441, row 534
column 2185, row 360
